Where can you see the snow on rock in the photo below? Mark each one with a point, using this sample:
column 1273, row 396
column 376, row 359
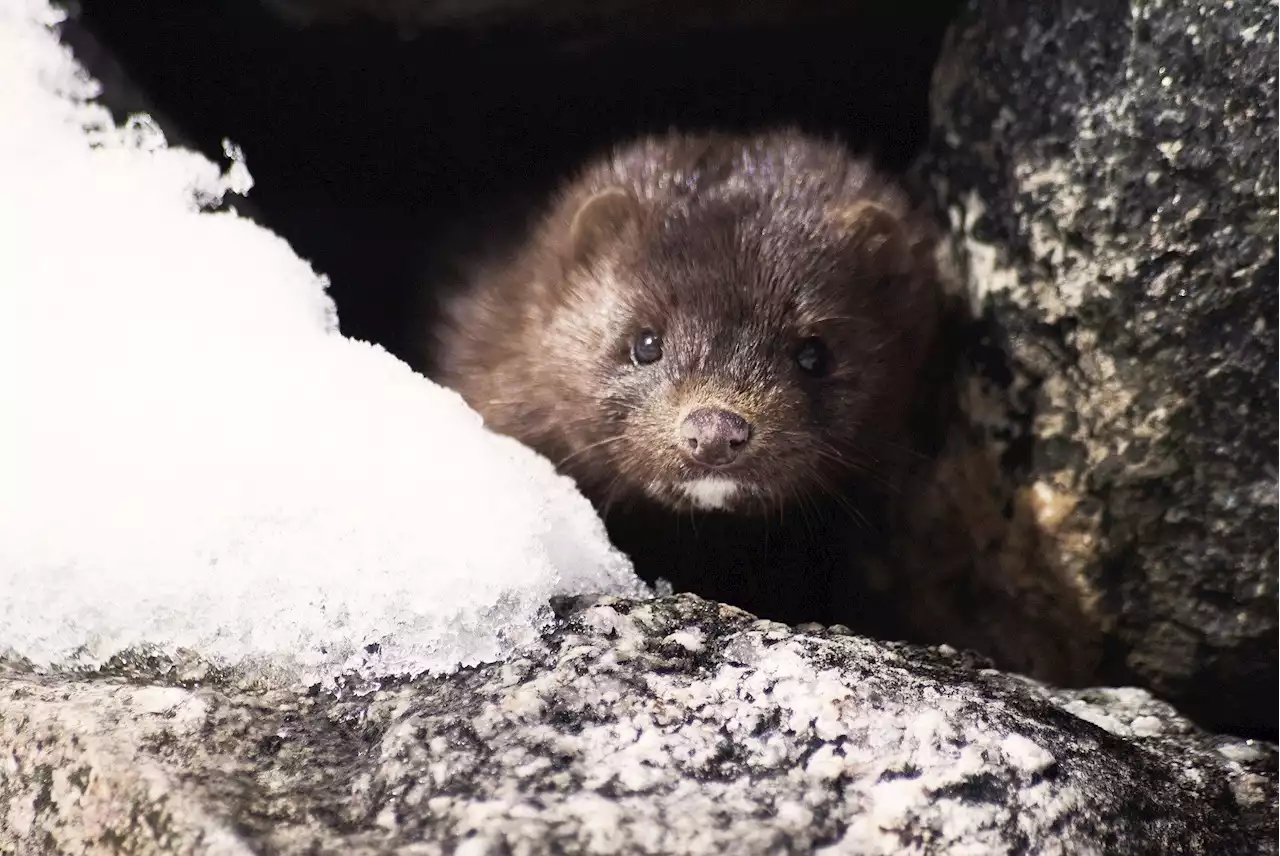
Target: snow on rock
column 193, row 457
column 611, row 735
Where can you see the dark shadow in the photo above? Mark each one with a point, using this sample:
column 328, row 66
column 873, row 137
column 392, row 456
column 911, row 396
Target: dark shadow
column 375, row 155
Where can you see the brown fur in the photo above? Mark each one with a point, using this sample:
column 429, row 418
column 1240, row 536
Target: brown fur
column 734, row 249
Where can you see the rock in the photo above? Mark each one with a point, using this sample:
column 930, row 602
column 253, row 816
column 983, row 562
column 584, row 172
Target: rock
column 670, row 726
column 1106, row 510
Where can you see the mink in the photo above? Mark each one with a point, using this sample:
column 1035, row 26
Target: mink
column 718, row 337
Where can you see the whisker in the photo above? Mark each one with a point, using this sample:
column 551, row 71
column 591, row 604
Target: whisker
column 870, row 474
column 850, row 510
column 885, row 443
column 606, row 441
column 610, row 496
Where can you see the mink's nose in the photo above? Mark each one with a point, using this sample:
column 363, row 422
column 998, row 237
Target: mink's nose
column 715, row 437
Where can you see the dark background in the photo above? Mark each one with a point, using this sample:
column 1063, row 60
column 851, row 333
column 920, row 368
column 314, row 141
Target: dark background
column 379, row 154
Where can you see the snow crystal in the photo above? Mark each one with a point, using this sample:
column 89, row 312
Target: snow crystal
column 192, row 456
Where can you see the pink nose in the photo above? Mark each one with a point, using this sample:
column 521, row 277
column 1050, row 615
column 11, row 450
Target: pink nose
column 715, row 437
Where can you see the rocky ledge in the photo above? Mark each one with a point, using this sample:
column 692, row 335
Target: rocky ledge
column 668, row 726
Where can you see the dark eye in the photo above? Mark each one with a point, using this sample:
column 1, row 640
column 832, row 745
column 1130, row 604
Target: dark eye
column 813, row 357
column 647, row 348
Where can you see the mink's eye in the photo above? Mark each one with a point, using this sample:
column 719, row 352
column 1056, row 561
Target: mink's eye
column 647, row 348
column 813, row 357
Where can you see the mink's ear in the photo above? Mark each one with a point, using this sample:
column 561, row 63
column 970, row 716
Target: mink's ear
column 896, row 251
column 603, row 219
column 876, row 234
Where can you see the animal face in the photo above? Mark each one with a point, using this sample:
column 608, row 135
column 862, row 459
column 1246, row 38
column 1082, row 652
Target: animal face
column 731, row 355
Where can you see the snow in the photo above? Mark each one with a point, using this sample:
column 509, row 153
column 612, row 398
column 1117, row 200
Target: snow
column 193, row 457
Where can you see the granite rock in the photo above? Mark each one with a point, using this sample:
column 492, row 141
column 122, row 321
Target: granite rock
column 1106, row 508
column 668, row 726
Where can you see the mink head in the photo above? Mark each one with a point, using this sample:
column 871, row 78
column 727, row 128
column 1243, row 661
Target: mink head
column 733, row 323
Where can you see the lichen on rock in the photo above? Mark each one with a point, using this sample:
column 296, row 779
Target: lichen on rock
column 1109, row 175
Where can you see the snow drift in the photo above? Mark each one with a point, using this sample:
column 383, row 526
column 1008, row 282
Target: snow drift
column 191, row 454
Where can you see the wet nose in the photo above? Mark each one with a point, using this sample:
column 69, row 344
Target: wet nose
column 715, row 437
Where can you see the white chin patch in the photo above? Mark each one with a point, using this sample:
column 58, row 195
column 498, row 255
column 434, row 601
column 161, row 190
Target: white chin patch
column 710, row 492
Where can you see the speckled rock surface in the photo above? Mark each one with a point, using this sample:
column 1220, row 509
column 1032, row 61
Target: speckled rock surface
column 673, row 726
column 1109, row 173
